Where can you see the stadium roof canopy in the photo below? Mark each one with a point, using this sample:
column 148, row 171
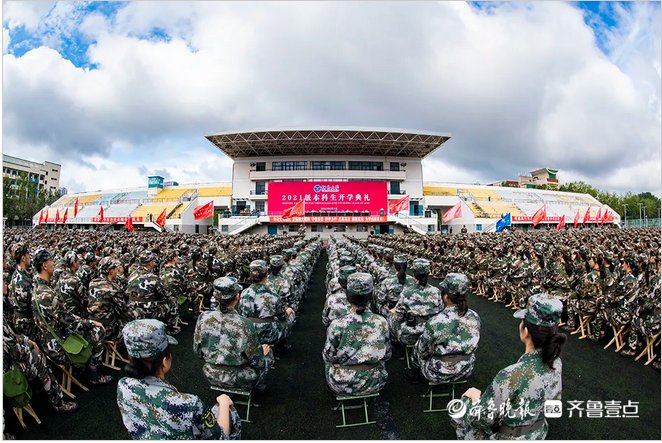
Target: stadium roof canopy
column 328, row 141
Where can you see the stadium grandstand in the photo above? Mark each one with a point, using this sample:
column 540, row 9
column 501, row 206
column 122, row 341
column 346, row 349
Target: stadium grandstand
column 347, row 179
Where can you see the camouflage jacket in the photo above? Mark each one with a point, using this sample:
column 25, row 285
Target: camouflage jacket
column 152, row 408
column 516, row 397
column 144, row 287
column 357, row 339
column 258, row 302
column 20, row 293
column 335, row 306
column 227, row 339
column 389, row 291
column 86, row 274
column 419, row 303
column 281, row 287
column 72, row 292
column 446, row 336
column 105, row 304
column 590, row 286
column 173, row 280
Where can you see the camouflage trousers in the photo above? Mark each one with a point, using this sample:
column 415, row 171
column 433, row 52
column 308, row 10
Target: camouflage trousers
column 640, row 329
column 578, row 307
column 244, row 377
column 26, row 326
column 36, row 370
column 347, row 381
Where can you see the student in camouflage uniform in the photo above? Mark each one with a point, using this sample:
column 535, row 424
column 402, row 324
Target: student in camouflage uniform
column 151, row 407
column 20, row 293
column 70, row 287
column 229, row 343
column 417, row 304
column 19, row 351
column 174, row 281
column 105, row 304
column 147, row 298
column 87, row 271
column 512, row 406
column 390, row 289
column 49, row 311
column 357, row 345
column 278, row 284
column 624, row 300
column 583, row 300
column 445, row 351
column 273, row 320
column 336, row 305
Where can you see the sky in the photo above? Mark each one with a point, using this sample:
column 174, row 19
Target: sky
column 117, row 91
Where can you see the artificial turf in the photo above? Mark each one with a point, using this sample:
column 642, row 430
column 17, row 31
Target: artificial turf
column 297, row 404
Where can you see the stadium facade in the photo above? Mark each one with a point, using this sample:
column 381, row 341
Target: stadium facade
column 325, row 181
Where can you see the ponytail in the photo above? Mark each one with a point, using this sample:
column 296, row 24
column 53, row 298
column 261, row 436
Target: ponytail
column 422, row 279
column 460, row 302
column 402, row 275
column 143, row 367
column 548, row 340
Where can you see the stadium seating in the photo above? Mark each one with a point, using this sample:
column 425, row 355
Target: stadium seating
column 439, row 191
column 119, row 210
column 85, row 200
column 219, row 191
column 171, row 194
column 155, row 209
column 482, row 194
column 178, row 211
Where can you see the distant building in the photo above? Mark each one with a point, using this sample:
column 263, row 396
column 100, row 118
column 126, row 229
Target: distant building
column 45, row 175
column 543, row 176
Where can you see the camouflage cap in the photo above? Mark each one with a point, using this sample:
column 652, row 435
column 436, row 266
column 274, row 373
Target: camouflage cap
column 146, row 338
column 20, row 250
column 226, row 288
column 259, row 267
column 388, row 252
column 346, row 271
column 542, row 310
column 456, row 284
column 420, row 266
column 360, row 283
column 276, row 261
column 107, row 264
column 41, row 256
column 345, row 260
column 147, row 256
column 70, row 258
column 287, row 253
column 400, row 259
column 90, row 257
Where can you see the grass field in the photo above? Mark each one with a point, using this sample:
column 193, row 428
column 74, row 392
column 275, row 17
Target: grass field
column 297, row 404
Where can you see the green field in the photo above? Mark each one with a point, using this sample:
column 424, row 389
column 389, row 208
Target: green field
column 297, row 404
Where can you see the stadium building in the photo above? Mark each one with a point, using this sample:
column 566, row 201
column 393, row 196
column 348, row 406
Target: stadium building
column 324, row 181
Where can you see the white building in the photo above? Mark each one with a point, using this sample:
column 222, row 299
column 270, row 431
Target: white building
column 46, row 175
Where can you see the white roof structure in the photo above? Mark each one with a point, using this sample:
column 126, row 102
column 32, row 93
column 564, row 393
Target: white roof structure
column 340, row 141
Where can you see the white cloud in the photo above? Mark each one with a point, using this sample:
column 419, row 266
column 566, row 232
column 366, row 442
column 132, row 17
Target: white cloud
column 520, row 87
column 5, row 39
column 26, row 13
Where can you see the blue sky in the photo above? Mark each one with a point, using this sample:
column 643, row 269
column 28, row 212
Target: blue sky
column 102, row 86
column 73, row 44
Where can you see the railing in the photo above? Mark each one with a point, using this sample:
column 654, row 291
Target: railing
column 118, row 197
column 413, row 223
column 253, row 192
column 243, row 224
column 164, row 200
column 641, row 223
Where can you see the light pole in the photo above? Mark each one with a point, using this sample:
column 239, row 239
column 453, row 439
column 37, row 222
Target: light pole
column 625, row 213
column 640, row 218
column 645, row 218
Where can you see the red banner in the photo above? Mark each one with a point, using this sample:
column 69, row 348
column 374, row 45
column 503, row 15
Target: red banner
column 561, row 223
column 331, row 219
column 41, row 217
column 297, row 210
column 576, row 222
column 66, row 215
column 116, row 219
column 453, row 213
column 57, row 216
column 76, row 207
column 204, row 211
column 333, row 197
column 101, row 214
column 539, row 215
column 396, row 206
column 129, row 224
column 529, row 219
column 162, row 219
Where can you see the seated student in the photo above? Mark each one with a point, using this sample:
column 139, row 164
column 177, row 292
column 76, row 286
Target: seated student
column 151, row 407
column 357, row 345
column 527, row 384
column 229, row 343
column 445, row 351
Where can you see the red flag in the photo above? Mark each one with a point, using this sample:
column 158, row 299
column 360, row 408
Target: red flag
column 597, row 219
column 129, row 224
column 540, row 215
column 452, row 213
column 576, row 219
column 41, row 217
column 294, row 211
column 611, row 216
column 396, row 206
column 204, row 211
column 57, row 216
column 605, row 216
column 101, row 214
column 162, row 219
column 561, row 223
column 587, row 216
column 46, row 216
column 76, row 207
column 66, row 214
